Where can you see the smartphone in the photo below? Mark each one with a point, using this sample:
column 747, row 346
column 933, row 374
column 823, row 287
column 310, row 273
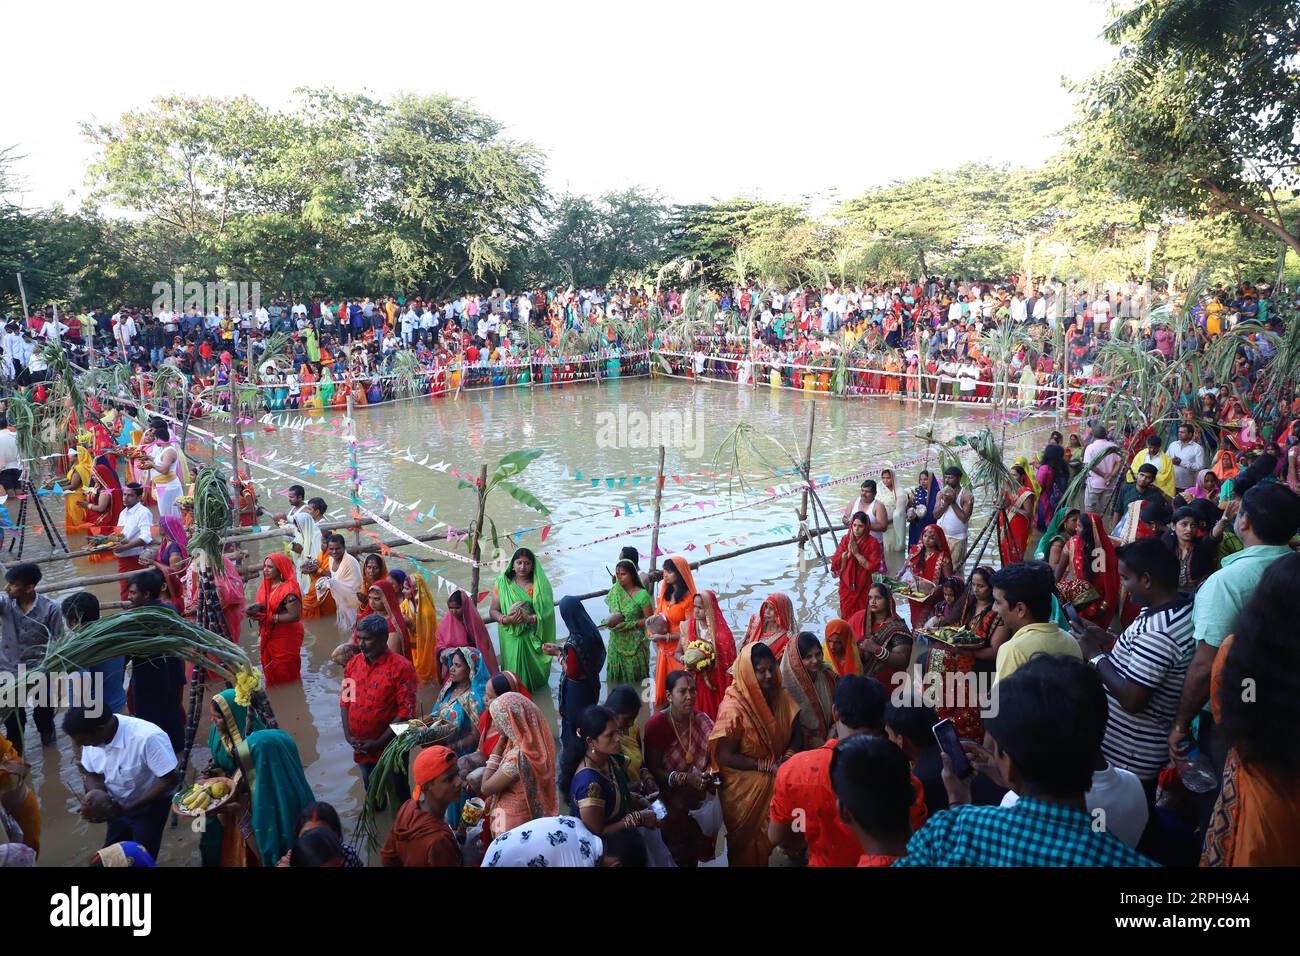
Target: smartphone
column 946, row 735
column 1071, row 614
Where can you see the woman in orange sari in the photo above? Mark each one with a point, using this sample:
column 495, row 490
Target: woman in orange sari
column 676, row 603
column 278, row 612
column 520, row 777
column 773, row 625
column 806, row 678
column 930, row 562
column 16, row 797
column 756, row 730
column 839, row 650
column 1256, row 819
column 1091, row 581
column 707, row 625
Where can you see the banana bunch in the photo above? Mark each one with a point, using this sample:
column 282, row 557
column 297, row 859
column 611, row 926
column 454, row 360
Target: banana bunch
column 200, row 796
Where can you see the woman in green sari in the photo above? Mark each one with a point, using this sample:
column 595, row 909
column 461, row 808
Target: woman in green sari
column 313, row 346
column 326, row 386
column 629, row 605
column 524, row 611
column 260, row 823
column 1051, row 549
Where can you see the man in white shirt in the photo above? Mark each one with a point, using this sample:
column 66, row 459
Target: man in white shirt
column 123, row 331
column 337, row 586
column 53, row 329
column 263, row 318
column 130, row 773
column 136, row 522
column 1018, row 311
column 1188, row 458
column 1101, row 314
column 408, row 322
column 11, row 471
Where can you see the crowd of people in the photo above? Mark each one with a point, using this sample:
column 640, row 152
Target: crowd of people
column 923, row 338
column 974, row 699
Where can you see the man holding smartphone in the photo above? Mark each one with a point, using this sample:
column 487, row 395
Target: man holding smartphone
column 1048, row 762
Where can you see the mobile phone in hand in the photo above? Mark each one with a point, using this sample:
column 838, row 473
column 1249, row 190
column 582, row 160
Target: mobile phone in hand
column 1072, row 615
column 950, row 743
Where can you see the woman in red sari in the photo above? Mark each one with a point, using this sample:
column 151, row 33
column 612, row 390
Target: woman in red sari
column 707, row 624
column 102, row 513
column 1091, row 581
column 959, row 701
column 1016, row 519
column 930, row 562
column 884, row 641
column 773, row 624
column 278, row 612
column 385, row 601
column 859, row 555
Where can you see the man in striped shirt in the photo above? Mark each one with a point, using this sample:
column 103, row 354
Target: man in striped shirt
column 1143, row 673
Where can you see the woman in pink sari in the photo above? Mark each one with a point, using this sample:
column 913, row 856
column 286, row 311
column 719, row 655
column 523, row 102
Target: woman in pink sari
column 707, row 624
column 462, row 626
column 520, row 778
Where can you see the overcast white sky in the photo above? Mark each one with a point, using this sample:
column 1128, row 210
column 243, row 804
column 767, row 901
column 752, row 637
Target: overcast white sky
column 699, row 100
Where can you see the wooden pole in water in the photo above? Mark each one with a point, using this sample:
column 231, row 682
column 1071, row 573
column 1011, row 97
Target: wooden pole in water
column 23, row 292
column 659, row 500
column 352, row 446
column 477, row 550
column 807, row 471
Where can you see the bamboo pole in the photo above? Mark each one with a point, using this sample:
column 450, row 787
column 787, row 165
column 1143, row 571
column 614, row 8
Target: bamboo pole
column 23, row 292
column 478, row 533
column 352, row 445
column 806, row 468
column 659, row 500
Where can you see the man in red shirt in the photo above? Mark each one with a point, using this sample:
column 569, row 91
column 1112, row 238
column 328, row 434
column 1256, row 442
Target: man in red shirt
column 803, row 809
column 420, row 834
column 378, row 690
column 874, row 796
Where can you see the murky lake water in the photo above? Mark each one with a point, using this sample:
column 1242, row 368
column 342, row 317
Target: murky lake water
column 594, row 430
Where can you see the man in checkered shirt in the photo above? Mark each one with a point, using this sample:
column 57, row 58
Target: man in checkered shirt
column 1046, row 735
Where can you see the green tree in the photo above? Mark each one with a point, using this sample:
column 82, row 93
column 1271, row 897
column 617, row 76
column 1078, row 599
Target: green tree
column 1199, row 113
column 593, row 240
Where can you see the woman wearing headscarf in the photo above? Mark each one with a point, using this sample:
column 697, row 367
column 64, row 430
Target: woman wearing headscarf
column 171, row 559
column 17, row 798
column 373, row 569
column 424, row 613
column 920, row 510
column 930, row 562
column 103, row 511
column 857, row 558
column 805, row 677
column 707, row 635
column 520, row 777
column 887, row 494
column 773, row 625
column 1016, row 517
column 304, row 545
column 583, row 657
column 385, row 601
column 461, row 702
column 756, row 730
column 1091, row 582
column 76, row 484
column 462, row 626
column 629, row 603
column 278, row 612
column 676, row 603
column 884, row 640
column 840, row 650
column 166, row 464
column 230, row 592
column 1053, row 477
column 524, row 611
column 259, row 824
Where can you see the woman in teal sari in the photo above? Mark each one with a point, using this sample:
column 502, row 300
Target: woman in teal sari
column 260, row 823
column 460, row 704
column 524, row 611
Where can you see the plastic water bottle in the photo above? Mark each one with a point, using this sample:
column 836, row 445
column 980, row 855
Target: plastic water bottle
column 1196, row 771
